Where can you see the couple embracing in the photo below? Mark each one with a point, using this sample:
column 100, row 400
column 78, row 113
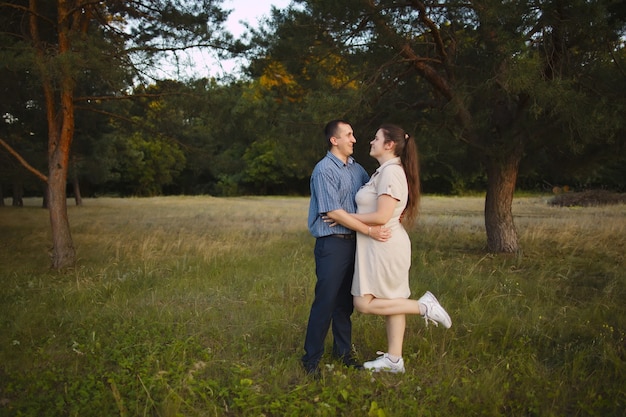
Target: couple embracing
column 362, row 250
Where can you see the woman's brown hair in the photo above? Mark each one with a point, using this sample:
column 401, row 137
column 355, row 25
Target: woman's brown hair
column 406, row 149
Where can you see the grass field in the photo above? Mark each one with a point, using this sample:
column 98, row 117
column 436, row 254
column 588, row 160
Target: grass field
column 197, row 306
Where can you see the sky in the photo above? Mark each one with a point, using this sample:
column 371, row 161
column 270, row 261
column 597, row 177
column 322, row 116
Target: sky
column 249, row 11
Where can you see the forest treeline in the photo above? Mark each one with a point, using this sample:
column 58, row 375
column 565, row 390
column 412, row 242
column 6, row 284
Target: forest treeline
column 499, row 96
column 261, row 133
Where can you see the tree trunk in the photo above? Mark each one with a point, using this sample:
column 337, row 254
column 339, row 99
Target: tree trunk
column 78, row 198
column 501, row 179
column 63, row 253
column 44, row 200
column 18, row 194
column 60, row 132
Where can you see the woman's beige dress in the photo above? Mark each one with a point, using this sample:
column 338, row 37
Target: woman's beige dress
column 382, row 268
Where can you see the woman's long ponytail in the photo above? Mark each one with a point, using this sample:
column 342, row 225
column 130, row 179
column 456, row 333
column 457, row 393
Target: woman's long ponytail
column 406, row 149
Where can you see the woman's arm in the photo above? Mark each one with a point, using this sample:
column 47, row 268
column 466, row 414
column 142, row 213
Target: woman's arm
column 385, row 205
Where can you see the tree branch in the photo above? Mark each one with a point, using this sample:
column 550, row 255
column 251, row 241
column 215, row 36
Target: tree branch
column 22, row 161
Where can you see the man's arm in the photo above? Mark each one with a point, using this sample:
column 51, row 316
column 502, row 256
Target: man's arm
column 370, row 224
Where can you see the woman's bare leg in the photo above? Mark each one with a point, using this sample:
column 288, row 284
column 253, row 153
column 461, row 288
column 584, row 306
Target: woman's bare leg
column 368, row 304
column 396, row 325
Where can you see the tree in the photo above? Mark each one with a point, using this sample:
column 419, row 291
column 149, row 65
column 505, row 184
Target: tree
column 503, row 78
column 75, row 46
column 300, row 80
column 507, row 74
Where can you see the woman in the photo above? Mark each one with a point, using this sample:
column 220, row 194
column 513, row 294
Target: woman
column 381, row 277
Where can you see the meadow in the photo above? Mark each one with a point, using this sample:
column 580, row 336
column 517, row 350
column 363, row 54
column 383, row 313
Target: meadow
column 197, row 306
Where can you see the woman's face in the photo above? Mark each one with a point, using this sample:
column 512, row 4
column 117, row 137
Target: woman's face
column 377, row 145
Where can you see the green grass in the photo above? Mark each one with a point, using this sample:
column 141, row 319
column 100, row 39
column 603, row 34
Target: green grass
column 197, row 306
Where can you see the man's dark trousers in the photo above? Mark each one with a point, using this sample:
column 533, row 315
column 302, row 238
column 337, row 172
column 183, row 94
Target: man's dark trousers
column 334, row 267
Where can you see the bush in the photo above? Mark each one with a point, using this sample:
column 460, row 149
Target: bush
column 589, row 198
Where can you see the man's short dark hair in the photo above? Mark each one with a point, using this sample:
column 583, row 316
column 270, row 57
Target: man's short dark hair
column 331, row 129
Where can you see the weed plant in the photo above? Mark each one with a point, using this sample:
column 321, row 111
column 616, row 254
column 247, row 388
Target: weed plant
column 197, row 306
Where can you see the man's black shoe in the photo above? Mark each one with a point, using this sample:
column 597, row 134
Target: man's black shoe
column 315, row 373
column 350, row 362
column 312, row 371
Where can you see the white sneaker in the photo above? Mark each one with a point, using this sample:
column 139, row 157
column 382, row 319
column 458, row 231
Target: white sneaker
column 434, row 311
column 383, row 363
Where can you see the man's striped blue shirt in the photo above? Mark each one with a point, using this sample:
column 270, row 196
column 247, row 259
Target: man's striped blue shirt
column 333, row 186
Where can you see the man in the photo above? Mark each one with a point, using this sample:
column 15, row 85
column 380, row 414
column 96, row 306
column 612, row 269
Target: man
column 334, row 183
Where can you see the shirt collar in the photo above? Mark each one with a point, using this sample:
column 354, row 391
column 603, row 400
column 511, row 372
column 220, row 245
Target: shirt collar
column 338, row 161
column 392, row 161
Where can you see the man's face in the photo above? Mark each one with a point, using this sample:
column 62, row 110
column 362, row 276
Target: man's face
column 344, row 140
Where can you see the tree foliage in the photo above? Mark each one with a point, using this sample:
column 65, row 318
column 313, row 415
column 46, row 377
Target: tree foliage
column 507, row 79
column 498, row 94
column 79, row 51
